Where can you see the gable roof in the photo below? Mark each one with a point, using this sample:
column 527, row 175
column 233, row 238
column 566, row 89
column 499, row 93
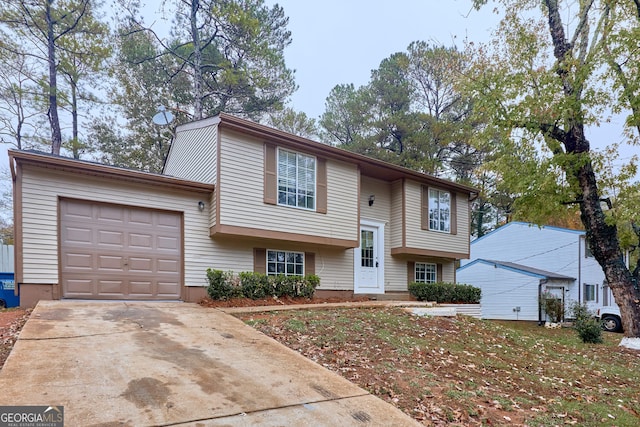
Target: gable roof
column 532, row 225
column 84, row 167
column 368, row 166
column 519, row 268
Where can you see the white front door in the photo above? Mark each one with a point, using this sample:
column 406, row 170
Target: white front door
column 369, row 259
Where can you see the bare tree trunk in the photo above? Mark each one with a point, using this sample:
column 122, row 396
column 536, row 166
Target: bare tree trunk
column 197, row 61
column 56, row 134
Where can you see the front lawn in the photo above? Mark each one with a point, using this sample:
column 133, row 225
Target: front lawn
column 464, row 371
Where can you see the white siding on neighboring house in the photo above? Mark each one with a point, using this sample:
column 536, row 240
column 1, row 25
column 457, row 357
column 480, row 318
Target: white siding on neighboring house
column 242, row 204
column 42, row 187
column 193, row 152
column 502, row 291
column 434, row 240
column 6, row 259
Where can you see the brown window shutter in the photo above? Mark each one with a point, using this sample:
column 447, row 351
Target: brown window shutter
column 270, row 174
column 260, row 260
column 411, row 272
column 424, row 201
column 321, row 186
column 309, row 263
column 454, row 214
column 439, row 273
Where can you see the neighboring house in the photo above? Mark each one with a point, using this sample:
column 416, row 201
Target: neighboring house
column 516, row 263
column 234, row 195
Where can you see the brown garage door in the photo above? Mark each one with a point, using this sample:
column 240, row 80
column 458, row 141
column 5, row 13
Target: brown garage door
column 119, row 252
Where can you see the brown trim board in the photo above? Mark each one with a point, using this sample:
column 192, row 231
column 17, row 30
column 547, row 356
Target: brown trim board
column 428, row 252
column 235, row 231
column 104, row 171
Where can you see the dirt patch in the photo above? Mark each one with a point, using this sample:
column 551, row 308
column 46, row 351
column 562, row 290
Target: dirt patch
column 463, row 371
column 11, row 323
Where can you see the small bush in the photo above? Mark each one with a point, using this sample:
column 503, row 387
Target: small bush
column 255, row 285
column 587, row 325
column 221, row 285
column 445, row 293
column 553, row 306
column 226, row 285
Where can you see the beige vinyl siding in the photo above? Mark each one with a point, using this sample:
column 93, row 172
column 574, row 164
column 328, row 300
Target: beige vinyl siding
column 397, row 194
column 433, row 240
column 333, row 266
column 384, row 210
column 42, row 187
column 242, row 203
column 193, row 155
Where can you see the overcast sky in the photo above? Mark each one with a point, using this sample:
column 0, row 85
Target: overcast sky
column 341, row 41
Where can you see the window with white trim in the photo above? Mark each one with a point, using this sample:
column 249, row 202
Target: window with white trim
column 439, row 210
column 285, row 262
column 296, row 179
column 426, row 272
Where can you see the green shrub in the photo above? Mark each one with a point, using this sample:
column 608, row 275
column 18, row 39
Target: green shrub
column 445, row 293
column 226, row 285
column 255, row 285
column 221, row 285
column 553, row 306
column 587, row 325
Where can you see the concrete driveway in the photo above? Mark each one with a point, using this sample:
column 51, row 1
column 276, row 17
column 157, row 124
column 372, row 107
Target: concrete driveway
column 143, row 364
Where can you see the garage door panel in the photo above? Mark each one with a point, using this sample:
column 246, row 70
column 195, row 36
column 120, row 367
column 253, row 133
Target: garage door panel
column 77, row 211
column 111, row 238
column 141, row 265
column 167, row 289
column 112, row 251
column 78, row 236
column 110, row 262
column 140, row 241
column 113, row 287
column 168, row 243
column 80, row 287
column 76, row 261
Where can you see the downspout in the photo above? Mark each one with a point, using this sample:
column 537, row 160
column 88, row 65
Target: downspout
column 542, row 282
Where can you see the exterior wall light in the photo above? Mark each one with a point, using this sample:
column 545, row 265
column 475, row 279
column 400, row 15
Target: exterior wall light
column 200, row 205
column 372, row 198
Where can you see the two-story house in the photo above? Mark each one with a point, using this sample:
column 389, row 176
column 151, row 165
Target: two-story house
column 235, row 196
column 517, row 263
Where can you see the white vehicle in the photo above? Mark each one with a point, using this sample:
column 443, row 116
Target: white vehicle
column 610, row 318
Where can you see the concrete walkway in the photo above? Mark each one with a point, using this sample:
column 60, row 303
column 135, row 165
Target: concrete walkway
column 178, row 364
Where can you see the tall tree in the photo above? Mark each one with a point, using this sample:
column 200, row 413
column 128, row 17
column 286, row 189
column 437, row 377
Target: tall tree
column 232, row 53
column 18, row 92
column 40, row 25
column 82, row 64
column 540, row 80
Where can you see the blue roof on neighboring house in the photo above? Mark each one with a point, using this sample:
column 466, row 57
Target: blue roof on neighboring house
column 547, row 227
column 519, row 268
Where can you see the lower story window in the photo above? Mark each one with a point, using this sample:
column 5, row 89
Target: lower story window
column 589, row 292
column 283, row 262
column 425, row 272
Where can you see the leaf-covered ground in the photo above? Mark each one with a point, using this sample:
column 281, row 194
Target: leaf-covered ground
column 465, row 371
column 11, row 322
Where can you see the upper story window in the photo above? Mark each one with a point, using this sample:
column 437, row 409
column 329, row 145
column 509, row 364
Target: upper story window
column 284, row 262
column 296, row 179
column 439, row 210
column 426, row 273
